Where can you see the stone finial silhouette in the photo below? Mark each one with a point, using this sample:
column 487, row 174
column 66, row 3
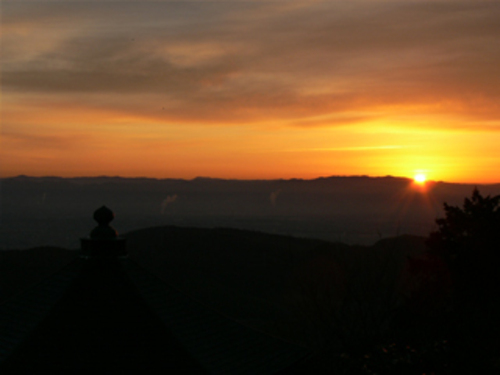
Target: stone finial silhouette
column 103, row 216
column 103, row 241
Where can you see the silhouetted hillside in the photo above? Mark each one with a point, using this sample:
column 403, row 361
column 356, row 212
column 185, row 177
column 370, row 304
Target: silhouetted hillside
column 321, row 295
column 273, row 282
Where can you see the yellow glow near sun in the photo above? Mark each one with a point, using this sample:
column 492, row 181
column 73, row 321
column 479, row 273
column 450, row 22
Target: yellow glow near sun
column 420, row 178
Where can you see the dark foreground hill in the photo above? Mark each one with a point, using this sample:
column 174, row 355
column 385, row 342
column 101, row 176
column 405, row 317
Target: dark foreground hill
column 274, row 282
column 317, row 294
column 284, row 285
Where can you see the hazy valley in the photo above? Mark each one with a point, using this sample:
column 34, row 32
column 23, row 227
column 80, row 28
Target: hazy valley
column 54, row 211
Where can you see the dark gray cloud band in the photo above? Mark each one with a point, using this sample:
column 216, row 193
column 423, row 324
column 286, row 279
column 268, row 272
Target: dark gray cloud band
column 216, row 62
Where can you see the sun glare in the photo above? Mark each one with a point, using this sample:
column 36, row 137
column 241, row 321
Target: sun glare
column 420, row 178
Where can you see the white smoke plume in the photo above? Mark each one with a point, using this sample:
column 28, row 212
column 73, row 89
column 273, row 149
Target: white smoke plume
column 168, row 200
column 273, row 196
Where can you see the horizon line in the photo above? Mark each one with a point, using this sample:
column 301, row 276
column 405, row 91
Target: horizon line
column 241, row 179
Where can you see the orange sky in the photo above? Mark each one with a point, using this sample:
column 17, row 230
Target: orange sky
column 251, row 89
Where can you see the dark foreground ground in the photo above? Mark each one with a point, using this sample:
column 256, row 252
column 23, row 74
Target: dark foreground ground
column 382, row 309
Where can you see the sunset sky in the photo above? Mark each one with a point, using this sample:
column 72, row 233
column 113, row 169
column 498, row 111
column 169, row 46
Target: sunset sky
column 251, row 89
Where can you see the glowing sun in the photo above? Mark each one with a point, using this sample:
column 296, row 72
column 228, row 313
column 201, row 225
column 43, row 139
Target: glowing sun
column 420, row 178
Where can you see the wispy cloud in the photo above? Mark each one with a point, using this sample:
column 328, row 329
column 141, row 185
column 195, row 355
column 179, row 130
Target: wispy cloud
column 248, row 61
column 222, row 86
column 352, row 148
column 273, row 196
column 168, row 201
column 52, row 142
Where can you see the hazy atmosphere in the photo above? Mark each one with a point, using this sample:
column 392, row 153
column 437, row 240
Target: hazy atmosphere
column 277, row 187
column 256, row 89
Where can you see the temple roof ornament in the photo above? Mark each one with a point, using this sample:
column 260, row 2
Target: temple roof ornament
column 103, row 216
column 103, row 241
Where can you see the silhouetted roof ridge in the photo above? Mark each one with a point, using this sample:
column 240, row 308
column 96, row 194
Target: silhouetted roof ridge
column 21, row 313
column 101, row 323
column 217, row 342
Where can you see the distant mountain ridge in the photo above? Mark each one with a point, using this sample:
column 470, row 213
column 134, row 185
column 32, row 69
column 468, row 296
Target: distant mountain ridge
column 56, row 211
